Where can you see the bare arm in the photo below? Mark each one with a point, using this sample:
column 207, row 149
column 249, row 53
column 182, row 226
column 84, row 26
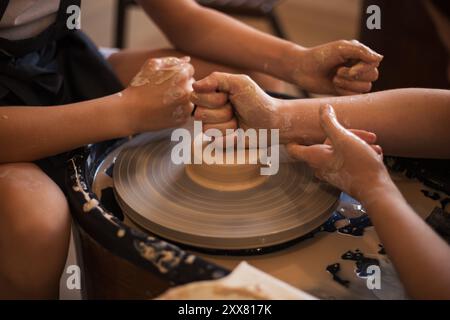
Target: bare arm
column 407, row 122
column 214, row 36
column 421, row 258
column 31, row 133
column 159, row 98
column 340, row 67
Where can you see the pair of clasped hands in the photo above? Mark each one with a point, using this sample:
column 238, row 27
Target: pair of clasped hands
column 348, row 159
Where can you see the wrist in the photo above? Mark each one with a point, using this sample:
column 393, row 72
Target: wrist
column 380, row 189
column 281, row 119
column 291, row 65
column 298, row 121
column 124, row 112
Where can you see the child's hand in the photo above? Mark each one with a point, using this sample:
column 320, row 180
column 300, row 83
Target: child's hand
column 348, row 159
column 159, row 94
column 226, row 101
column 340, row 67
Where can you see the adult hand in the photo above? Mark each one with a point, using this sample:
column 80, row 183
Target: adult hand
column 339, row 67
column 348, row 159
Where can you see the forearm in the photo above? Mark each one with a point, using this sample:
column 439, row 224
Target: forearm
column 30, row 133
column 421, row 258
column 216, row 37
column 408, row 122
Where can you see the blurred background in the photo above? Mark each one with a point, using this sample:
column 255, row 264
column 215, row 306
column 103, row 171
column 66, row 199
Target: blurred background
column 415, row 39
column 414, row 35
column 307, row 22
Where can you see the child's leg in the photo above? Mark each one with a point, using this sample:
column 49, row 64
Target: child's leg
column 34, row 232
column 127, row 63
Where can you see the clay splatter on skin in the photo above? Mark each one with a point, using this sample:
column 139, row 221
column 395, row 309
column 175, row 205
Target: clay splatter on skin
column 159, row 71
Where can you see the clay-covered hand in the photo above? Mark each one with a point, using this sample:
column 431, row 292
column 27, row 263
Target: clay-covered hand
column 341, row 67
column 226, row 101
column 159, row 94
column 348, row 159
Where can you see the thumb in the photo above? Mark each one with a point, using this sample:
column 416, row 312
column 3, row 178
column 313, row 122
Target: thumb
column 316, row 156
column 330, row 125
column 356, row 50
column 216, row 81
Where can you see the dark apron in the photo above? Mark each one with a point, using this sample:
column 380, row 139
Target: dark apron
column 58, row 66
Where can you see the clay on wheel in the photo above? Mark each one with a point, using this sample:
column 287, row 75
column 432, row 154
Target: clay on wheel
column 226, row 176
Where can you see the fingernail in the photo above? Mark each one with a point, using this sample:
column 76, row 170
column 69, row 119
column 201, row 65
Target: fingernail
column 379, row 56
column 326, row 109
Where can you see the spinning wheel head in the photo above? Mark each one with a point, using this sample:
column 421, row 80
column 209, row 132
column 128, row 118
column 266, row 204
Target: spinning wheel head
column 203, row 206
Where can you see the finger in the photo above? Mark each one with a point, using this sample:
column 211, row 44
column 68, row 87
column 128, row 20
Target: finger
column 184, row 75
column 231, row 124
column 182, row 113
column 209, row 100
column 329, row 123
column 223, row 82
column 169, row 62
column 363, row 68
column 226, row 140
column 191, row 70
column 369, row 73
column 367, row 136
column 219, row 115
column 352, row 85
column 316, row 156
column 356, row 50
column 377, row 149
column 176, row 96
column 216, row 81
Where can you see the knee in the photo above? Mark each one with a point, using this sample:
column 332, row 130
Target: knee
column 34, row 227
column 31, row 202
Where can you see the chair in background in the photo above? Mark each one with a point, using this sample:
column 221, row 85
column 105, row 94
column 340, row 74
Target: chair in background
column 264, row 9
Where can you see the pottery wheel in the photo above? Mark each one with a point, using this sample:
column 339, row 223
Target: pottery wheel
column 160, row 197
